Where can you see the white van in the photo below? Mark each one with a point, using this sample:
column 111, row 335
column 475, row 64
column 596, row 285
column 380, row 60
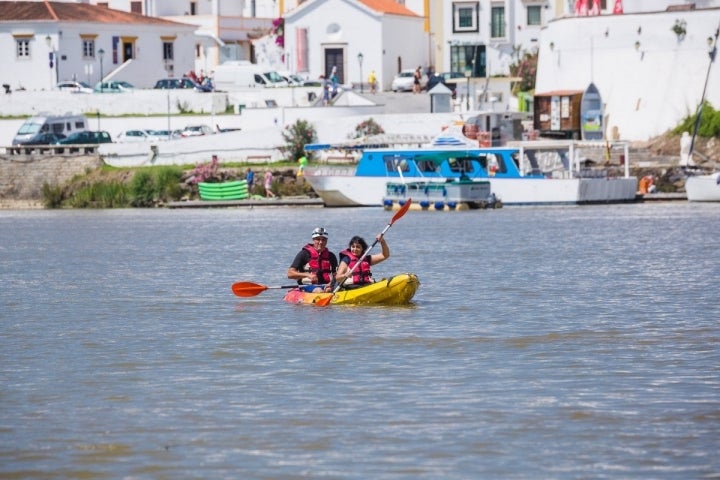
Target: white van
column 58, row 124
column 243, row 74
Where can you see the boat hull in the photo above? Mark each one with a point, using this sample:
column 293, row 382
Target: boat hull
column 703, row 188
column 361, row 191
column 397, row 290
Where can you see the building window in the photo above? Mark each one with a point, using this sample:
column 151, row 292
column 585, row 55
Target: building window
column 103, row 4
column 136, row 7
column 193, row 8
column 534, row 15
column 198, row 50
column 88, row 47
column 465, row 16
column 168, row 51
column 468, row 58
column 497, row 21
column 23, row 48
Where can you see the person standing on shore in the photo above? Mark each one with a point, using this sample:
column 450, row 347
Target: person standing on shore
column 372, row 81
column 268, row 184
column 250, row 179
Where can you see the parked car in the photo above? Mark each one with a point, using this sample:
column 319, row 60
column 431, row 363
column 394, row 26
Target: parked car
column 74, row 87
column 182, row 83
column 42, row 138
column 86, row 138
column 444, row 78
column 403, row 81
column 196, row 130
column 113, row 87
column 164, row 134
column 133, row 136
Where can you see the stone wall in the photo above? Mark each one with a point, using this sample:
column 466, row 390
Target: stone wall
column 22, row 176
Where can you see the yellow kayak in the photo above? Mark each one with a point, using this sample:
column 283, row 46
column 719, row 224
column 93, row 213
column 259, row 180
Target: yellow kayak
column 397, row 290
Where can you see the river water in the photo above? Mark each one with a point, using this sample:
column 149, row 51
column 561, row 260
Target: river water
column 563, row 342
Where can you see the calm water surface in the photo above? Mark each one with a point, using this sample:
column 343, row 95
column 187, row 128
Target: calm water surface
column 578, row 342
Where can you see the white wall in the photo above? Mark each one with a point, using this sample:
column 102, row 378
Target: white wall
column 646, row 90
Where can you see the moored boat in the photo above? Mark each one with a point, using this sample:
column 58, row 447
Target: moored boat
column 703, row 188
column 521, row 173
column 396, row 290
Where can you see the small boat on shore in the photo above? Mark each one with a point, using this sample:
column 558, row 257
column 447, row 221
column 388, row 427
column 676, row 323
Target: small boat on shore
column 703, row 188
column 520, row 173
column 396, row 290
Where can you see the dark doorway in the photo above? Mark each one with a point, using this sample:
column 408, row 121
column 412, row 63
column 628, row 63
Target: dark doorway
column 127, row 51
column 334, row 58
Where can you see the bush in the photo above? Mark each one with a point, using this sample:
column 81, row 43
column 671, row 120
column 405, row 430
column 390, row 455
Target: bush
column 52, row 196
column 157, row 184
column 205, row 172
column 366, row 128
column 296, row 137
column 709, row 123
column 100, row 195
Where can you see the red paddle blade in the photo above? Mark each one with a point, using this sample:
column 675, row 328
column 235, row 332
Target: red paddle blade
column 247, row 289
column 402, row 211
column 324, row 300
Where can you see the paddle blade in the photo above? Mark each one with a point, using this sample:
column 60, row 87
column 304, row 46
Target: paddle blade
column 324, row 300
column 247, row 289
column 401, row 212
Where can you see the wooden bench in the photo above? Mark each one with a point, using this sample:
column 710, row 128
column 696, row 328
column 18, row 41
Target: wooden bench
column 236, row 190
column 264, row 158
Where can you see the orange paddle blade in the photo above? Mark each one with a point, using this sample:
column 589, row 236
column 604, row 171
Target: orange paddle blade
column 324, row 300
column 247, row 289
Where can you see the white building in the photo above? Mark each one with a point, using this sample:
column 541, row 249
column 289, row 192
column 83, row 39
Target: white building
column 47, row 42
column 650, row 68
column 356, row 36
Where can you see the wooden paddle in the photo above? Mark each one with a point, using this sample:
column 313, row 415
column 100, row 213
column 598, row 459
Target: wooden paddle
column 249, row 289
column 325, row 300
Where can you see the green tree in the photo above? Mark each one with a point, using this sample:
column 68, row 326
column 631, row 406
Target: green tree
column 526, row 70
column 296, row 136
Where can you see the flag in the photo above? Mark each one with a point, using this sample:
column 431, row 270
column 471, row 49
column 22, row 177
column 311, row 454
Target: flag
column 595, row 10
column 618, row 9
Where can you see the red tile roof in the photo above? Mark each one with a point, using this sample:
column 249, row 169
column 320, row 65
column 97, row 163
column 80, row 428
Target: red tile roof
column 72, row 12
column 388, row 6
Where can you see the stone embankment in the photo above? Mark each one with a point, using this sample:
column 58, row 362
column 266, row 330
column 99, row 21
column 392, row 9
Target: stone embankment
column 22, row 176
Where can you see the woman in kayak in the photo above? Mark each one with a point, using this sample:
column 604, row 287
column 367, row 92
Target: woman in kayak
column 315, row 264
column 349, row 258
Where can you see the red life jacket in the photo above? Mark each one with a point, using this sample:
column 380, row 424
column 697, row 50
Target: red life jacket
column 362, row 273
column 319, row 263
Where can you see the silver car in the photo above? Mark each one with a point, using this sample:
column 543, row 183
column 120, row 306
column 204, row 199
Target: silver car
column 403, row 81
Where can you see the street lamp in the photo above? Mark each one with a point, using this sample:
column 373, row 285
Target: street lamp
column 468, row 74
column 360, row 59
column 53, row 60
column 101, row 53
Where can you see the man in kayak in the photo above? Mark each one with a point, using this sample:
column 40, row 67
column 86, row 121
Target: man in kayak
column 315, row 264
column 349, row 258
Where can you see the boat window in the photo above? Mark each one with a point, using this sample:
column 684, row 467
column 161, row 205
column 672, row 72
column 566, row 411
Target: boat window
column 461, row 165
column 497, row 162
column 426, row 166
column 393, row 162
